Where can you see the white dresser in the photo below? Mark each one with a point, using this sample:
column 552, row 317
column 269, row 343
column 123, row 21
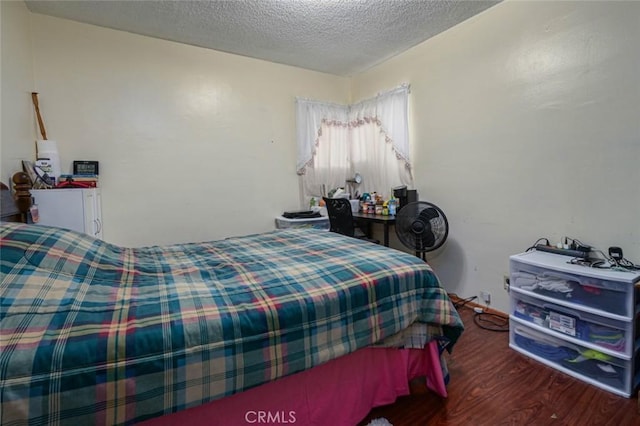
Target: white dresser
column 580, row 320
column 79, row 209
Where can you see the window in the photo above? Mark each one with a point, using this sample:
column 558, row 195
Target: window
column 370, row 137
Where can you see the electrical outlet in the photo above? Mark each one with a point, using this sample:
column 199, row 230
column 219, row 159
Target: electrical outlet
column 486, row 297
column 506, row 283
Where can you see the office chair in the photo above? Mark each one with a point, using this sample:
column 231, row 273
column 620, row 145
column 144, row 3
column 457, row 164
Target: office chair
column 341, row 219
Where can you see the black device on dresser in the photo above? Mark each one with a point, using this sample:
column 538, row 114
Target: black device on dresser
column 405, row 196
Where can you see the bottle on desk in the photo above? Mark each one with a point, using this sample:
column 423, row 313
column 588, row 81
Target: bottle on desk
column 392, row 206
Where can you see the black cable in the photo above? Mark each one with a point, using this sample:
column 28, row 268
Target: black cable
column 626, row 264
column 536, row 243
column 576, row 242
column 491, row 322
column 623, row 263
column 462, row 302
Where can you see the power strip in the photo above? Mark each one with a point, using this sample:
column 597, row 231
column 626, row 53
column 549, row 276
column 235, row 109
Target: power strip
column 562, row 252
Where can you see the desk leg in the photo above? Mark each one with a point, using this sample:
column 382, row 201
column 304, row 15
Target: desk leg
column 365, row 226
column 386, row 234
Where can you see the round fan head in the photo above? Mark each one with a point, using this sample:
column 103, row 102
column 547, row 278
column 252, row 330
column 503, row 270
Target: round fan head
column 422, row 226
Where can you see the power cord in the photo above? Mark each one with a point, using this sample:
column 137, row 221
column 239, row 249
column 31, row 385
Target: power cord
column 489, row 321
column 460, row 303
column 482, row 319
column 533, row 246
column 575, row 244
column 618, row 263
column 614, row 260
column 627, row 264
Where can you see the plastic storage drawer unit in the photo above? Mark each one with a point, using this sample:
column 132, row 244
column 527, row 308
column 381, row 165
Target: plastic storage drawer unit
column 313, row 222
column 579, row 320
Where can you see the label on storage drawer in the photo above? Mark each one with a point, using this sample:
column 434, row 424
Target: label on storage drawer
column 562, row 323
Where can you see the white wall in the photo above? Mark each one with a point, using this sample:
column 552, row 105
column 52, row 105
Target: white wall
column 525, row 124
column 17, row 119
column 193, row 144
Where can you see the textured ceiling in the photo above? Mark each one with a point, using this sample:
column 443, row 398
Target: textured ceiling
column 342, row 37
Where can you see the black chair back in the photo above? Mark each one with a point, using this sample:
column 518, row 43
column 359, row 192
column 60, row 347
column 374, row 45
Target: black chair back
column 340, row 216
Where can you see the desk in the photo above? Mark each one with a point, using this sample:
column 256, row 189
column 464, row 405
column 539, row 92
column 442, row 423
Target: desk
column 368, row 219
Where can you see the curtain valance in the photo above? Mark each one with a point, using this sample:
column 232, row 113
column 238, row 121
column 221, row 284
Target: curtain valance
column 389, row 110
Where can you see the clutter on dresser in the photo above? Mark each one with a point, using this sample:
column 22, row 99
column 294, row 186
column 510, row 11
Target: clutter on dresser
column 38, row 179
column 45, row 171
column 78, row 181
column 85, row 168
column 85, row 175
column 48, row 159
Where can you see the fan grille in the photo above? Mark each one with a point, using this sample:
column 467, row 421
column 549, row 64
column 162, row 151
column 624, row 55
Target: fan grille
column 422, row 226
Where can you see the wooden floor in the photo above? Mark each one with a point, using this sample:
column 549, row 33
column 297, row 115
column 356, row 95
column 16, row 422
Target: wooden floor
column 494, row 385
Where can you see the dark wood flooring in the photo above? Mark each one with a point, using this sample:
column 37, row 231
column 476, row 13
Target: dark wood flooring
column 492, row 384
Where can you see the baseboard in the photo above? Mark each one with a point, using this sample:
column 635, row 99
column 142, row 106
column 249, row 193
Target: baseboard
column 470, row 305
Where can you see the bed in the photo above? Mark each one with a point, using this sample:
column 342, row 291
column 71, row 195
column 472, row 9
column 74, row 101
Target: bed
column 94, row 333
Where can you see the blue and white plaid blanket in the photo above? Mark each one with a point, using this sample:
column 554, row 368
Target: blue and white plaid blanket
column 94, row 333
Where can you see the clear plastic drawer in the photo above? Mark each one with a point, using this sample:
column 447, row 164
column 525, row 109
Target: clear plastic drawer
column 610, row 335
column 599, row 295
column 605, row 371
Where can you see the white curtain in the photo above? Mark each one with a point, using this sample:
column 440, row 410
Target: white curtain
column 329, row 167
column 370, row 137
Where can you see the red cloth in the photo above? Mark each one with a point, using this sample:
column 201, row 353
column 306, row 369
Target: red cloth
column 339, row 392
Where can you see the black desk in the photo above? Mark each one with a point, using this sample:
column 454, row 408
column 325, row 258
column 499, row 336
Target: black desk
column 367, row 219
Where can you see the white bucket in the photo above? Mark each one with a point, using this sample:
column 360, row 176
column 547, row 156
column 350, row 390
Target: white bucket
column 49, row 149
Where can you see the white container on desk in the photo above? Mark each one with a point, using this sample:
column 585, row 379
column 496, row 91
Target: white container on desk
column 312, row 222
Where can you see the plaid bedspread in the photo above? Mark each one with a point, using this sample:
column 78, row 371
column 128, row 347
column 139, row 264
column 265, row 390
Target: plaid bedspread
column 93, row 333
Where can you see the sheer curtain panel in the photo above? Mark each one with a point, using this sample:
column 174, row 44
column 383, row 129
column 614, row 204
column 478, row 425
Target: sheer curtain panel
column 370, row 137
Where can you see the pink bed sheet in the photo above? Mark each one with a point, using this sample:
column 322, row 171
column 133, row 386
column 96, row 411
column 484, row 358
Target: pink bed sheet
column 339, row 392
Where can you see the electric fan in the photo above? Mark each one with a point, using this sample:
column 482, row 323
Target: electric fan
column 421, row 226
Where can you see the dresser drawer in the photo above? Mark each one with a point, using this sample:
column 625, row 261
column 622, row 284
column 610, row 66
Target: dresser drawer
column 605, row 371
column 607, row 334
column 591, row 293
